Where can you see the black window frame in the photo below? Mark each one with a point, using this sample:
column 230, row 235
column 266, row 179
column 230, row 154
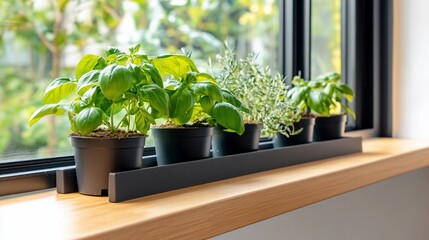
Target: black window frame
column 367, row 30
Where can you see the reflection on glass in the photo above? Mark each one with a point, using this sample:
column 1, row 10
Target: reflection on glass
column 43, row 39
column 325, row 36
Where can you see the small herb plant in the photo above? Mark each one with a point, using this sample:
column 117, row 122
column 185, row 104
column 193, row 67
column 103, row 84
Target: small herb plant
column 118, row 92
column 196, row 97
column 263, row 93
column 322, row 96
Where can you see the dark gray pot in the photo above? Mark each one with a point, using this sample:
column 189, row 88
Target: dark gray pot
column 328, row 128
column 227, row 143
column 305, row 136
column 97, row 157
column 175, row 145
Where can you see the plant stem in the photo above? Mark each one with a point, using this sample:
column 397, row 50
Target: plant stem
column 111, row 118
column 129, row 119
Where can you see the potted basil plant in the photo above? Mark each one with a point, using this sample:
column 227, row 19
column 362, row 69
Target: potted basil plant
column 268, row 110
column 324, row 97
column 110, row 105
column 196, row 104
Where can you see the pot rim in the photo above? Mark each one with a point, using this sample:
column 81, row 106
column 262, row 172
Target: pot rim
column 107, row 138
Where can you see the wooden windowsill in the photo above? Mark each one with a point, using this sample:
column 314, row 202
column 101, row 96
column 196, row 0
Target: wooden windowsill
column 210, row 209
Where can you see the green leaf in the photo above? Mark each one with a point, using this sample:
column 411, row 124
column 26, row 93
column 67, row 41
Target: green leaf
column 349, row 111
column 89, row 119
column 230, row 97
column 319, row 102
column 138, row 73
column 157, row 97
column 298, row 81
column 155, row 114
column 204, row 77
column 184, row 117
column 333, row 77
column 329, row 89
column 47, row 109
column 228, row 116
column 176, row 65
column 59, row 89
column 297, row 95
column 86, row 64
column 181, row 101
column 76, row 106
column 143, row 121
column 316, row 84
column 208, row 89
column 115, row 80
column 128, row 96
column 346, row 91
column 207, row 104
column 153, row 74
column 90, row 95
column 101, row 64
column 171, row 84
column 189, row 78
column 110, row 59
column 134, row 48
column 122, row 59
column 140, row 58
column 87, row 81
column 113, row 51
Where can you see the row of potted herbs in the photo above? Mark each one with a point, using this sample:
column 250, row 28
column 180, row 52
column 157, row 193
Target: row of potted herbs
column 115, row 99
column 287, row 113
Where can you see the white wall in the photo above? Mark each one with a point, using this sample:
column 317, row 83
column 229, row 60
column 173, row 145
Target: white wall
column 395, row 209
column 411, row 69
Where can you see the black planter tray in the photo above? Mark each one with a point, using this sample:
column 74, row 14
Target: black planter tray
column 147, row 181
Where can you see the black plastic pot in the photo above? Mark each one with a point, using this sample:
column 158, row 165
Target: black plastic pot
column 227, row 143
column 305, row 136
column 175, row 145
column 328, row 128
column 97, row 157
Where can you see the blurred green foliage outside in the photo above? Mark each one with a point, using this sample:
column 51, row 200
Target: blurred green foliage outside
column 43, row 39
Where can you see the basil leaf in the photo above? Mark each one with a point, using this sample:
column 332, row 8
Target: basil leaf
column 89, row 119
column 228, row 116
column 182, row 101
column 346, row 91
column 208, row 89
column 115, row 80
column 157, row 97
column 43, row 111
column 59, row 89
column 87, row 81
column 153, row 73
column 176, row 65
column 229, row 97
column 86, row 64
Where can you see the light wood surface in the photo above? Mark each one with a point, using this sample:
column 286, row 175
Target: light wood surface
column 207, row 210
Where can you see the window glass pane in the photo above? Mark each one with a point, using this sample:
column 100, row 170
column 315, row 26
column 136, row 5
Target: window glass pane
column 40, row 41
column 325, row 36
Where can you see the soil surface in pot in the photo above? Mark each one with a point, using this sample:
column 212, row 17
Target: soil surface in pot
column 106, row 133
